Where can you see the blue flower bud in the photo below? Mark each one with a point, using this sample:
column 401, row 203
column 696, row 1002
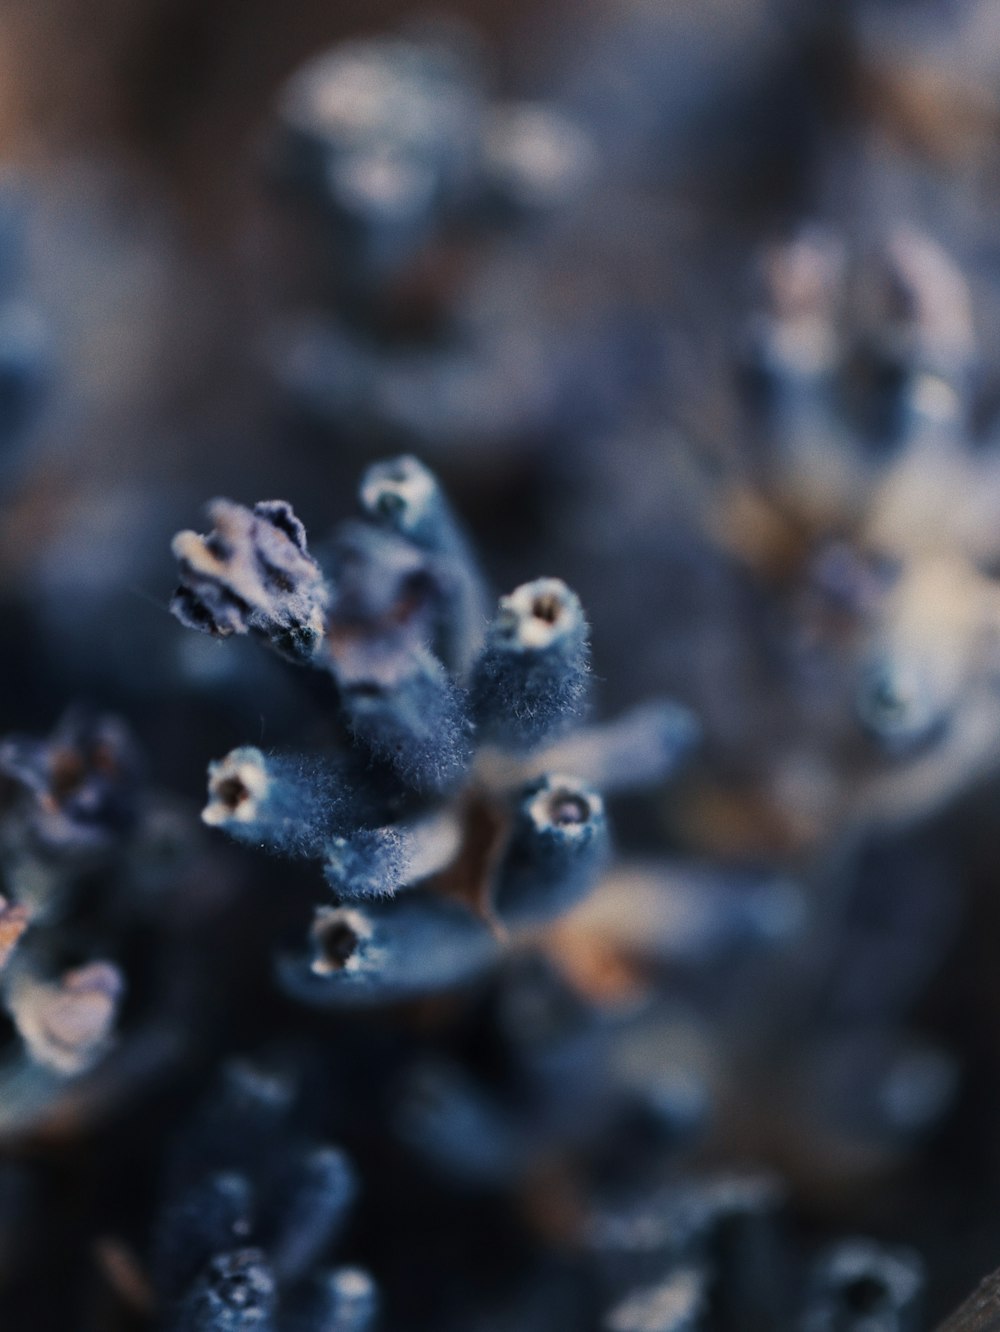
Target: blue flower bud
column 283, row 804
column 305, row 1208
column 381, row 952
column 419, row 727
column 405, row 497
column 237, row 1293
column 210, row 1217
column 76, row 792
column 375, row 862
column 557, row 850
column 536, row 160
column 859, row 1286
column 387, row 163
column 456, row 1126
column 390, row 600
column 531, row 680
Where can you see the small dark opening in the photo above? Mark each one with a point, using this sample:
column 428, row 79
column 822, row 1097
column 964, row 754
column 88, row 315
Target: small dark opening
column 337, row 943
column 865, row 1294
column 390, row 504
column 547, row 608
column 231, row 792
column 566, row 809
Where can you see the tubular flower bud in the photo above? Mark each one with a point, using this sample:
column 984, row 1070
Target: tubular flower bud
column 558, row 848
column 531, row 680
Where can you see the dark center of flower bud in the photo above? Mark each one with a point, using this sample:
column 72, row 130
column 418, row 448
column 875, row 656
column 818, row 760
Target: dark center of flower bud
column 566, row 810
column 336, row 942
column 865, row 1294
column 546, row 608
column 390, row 503
column 232, row 792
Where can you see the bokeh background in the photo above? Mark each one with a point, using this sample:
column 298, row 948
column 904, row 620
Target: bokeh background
column 736, row 381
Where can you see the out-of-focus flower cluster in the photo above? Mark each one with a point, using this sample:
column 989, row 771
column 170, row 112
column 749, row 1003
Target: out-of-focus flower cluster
column 621, row 971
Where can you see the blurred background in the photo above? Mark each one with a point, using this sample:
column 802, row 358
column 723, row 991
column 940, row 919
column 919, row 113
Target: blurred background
column 692, row 303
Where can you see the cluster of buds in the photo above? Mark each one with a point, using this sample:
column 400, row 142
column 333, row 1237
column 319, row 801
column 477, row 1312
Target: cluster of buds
column 465, row 805
column 864, row 506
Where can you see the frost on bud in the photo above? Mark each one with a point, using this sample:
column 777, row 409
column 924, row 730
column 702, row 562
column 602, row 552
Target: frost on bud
column 418, row 727
column 236, row 1293
column 557, row 850
column 66, row 1024
column 287, row 805
column 375, row 862
column 388, row 951
column 252, row 572
column 531, row 680
column 370, row 863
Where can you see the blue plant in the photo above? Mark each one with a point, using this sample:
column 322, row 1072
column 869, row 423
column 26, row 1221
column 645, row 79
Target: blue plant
column 442, row 800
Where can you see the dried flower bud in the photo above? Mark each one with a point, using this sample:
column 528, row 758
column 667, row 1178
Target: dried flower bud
column 252, row 572
column 77, row 791
column 66, row 1024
